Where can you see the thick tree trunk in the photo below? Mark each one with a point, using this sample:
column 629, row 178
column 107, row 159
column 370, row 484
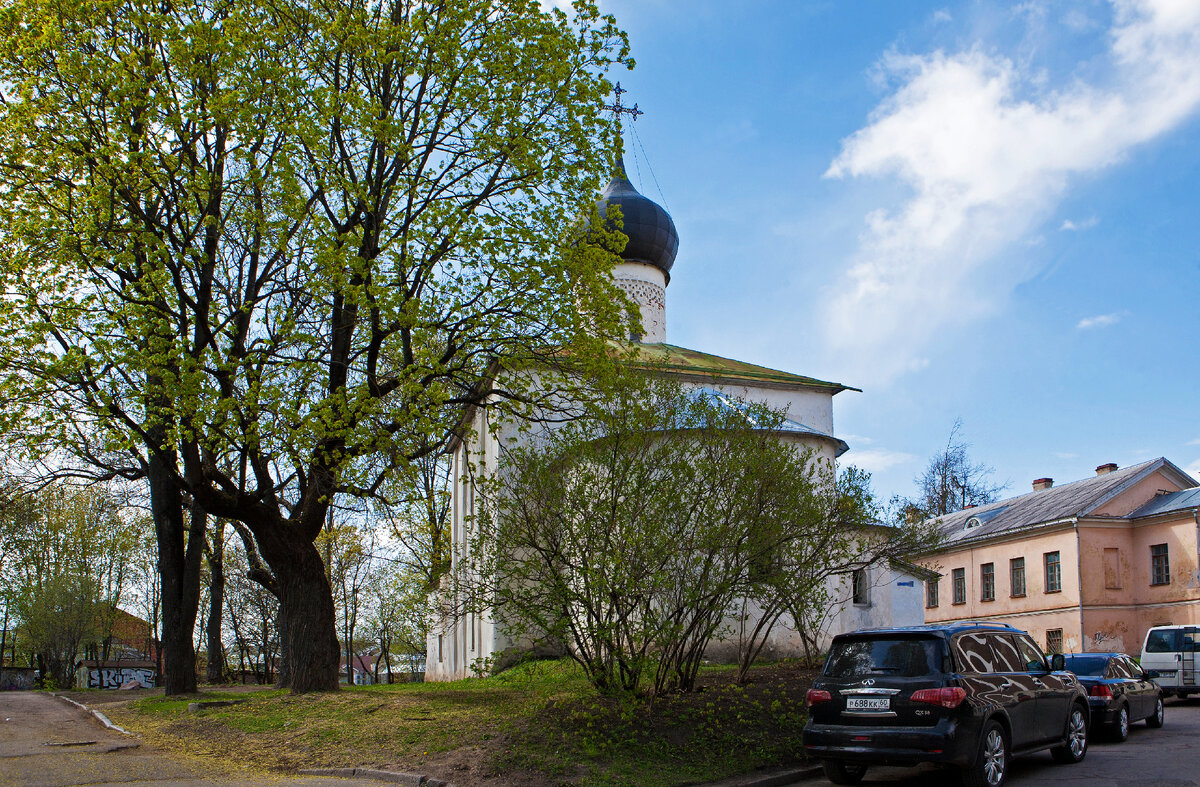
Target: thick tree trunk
column 216, row 672
column 308, row 623
column 283, row 669
column 179, row 552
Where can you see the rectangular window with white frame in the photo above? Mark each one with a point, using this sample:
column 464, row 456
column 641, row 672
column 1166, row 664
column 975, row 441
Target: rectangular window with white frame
column 1016, row 576
column 1053, row 566
column 987, row 582
column 1160, row 565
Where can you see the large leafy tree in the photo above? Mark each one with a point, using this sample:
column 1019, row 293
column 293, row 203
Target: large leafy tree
column 261, row 253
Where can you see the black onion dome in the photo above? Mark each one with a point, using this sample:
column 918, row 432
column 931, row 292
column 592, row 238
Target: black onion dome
column 652, row 236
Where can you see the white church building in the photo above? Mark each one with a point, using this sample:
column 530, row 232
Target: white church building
column 880, row 595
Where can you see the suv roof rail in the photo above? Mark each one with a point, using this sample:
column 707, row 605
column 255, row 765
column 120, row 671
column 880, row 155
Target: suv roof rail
column 987, row 623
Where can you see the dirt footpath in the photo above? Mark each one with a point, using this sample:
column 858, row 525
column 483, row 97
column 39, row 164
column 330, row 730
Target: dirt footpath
column 47, row 742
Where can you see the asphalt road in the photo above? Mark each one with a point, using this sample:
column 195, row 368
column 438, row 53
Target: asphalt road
column 46, row 742
column 1167, row 757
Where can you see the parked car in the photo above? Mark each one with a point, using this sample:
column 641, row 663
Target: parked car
column 967, row 695
column 1171, row 651
column 1119, row 691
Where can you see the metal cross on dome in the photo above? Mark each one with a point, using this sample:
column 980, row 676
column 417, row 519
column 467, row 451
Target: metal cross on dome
column 618, row 109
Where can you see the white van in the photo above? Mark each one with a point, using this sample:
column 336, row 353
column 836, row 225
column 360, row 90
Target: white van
column 1172, row 652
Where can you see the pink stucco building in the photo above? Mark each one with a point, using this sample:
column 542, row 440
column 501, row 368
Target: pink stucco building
column 1089, row 565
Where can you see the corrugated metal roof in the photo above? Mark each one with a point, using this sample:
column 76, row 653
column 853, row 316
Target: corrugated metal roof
column 1077, row 498
column 681, row 359
column 1175, row 501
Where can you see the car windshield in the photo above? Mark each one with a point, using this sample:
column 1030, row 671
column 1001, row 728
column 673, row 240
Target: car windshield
column 906, row 657
column 1087, row 665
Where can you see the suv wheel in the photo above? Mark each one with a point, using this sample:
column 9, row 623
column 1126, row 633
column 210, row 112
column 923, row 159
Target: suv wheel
column 990, row 768
column 1156, row 718
column 843, row 772
column 1120, row 725
column 1075, row 739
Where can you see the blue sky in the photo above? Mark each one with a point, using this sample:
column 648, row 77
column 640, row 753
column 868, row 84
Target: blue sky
column 975, row 210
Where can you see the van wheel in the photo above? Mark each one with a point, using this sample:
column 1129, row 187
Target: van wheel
column 990, row 768
column 1156, row 719
column 1120, row 726
column 840, row 772
column 1075, row 738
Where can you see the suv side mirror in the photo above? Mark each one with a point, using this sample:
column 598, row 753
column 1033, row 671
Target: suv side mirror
column 1057, row 662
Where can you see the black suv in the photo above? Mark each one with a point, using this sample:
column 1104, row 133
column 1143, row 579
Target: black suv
column 967, row 694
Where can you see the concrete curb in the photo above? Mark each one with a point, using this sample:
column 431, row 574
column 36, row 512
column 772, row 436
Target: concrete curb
column 394, row 777
column 100, row 716
column 776, row 778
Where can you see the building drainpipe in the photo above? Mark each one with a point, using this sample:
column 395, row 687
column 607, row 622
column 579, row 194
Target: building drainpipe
column 1079, row 585
column 1196, row 519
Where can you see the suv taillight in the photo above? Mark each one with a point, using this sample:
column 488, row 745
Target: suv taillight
column 1100, row 690
column 816, row 696
column 947, row 696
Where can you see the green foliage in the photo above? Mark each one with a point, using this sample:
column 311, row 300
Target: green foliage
column 629, row 536
column 273, row 248
column 67, row 563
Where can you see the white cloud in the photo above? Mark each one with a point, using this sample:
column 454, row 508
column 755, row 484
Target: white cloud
column 1079, row 226
column 1066, row 455
column 987, row 155
column 1193, row 469
column 1099, row 321
column 942, row 15
column 1194, row 442
column 877, row 460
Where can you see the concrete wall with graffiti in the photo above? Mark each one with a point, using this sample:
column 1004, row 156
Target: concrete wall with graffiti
column 16, row 678
column 91, row 675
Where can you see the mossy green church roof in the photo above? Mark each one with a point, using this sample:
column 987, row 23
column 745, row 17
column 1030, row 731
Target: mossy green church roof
column 685, row 361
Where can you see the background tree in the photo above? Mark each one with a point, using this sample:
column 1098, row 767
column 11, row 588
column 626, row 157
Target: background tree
column 419, row 519
column 951, row 481
column 251, row 612
column 68, row 564
column 399, row 616
column 265, row 252
column 349, row 549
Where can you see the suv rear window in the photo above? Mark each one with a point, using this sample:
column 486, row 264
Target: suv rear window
column 905, row 657
column 1163, row 641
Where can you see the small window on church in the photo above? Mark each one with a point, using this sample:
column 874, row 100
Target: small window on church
column 859, row 580
column 441, row 655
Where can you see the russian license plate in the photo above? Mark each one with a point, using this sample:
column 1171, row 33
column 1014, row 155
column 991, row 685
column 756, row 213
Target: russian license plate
column 868, row 703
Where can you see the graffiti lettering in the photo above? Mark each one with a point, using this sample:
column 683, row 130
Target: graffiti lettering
column 115, row 677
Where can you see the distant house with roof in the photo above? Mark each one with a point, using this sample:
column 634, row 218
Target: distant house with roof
column 1089, row 565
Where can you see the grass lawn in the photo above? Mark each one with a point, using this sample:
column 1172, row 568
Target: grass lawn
column 537, row 724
